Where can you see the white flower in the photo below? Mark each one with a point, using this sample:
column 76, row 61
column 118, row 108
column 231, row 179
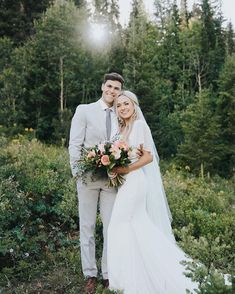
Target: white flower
column 116, row 152
column 26, row 254
column 11, row 250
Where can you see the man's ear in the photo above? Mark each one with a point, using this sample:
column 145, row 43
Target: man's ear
column 102, row 87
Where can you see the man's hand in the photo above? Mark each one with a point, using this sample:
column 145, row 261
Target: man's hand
column 121, row 170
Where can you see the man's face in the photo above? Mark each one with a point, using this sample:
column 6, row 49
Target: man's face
column 111, row 90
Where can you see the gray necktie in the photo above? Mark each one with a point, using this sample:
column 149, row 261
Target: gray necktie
column 108, row 123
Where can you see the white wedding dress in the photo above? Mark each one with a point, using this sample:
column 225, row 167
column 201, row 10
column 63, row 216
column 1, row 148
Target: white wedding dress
column 142, row 257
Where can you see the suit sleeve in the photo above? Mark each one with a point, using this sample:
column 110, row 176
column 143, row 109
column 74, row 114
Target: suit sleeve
column 77, row 136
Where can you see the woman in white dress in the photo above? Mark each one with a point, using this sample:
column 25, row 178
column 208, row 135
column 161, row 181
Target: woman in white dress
column 143, row 257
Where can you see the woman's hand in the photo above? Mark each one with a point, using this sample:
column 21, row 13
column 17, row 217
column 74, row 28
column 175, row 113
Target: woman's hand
column 139, row 151
column 121, row 170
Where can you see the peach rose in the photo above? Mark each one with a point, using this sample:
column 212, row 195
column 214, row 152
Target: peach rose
column 105, row 160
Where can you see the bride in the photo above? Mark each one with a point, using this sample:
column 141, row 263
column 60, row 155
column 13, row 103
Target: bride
column 143, row 257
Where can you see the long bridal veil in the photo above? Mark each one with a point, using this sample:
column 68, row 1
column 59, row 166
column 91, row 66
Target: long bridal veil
column 157, row 204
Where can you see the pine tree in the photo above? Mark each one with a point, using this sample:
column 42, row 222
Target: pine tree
column 226, row 111
column 13, row 86
column 202, row 148
column 139, row 71
column 116, row 55
column 108, row 55
column 162, row 12
column 220, row 46
column 107, row 12
column 213, row 43
column 45, row 78
column 135, row 36
column 230, row 39
column 170, row 96
column 184, row 12
column 6, row 48
column 16, row 18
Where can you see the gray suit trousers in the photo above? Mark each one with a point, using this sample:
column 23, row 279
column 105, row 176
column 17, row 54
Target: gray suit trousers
column 89, row 195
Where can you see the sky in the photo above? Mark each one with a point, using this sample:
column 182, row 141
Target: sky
column 228, row 9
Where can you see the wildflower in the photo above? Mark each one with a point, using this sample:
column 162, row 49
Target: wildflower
column 26, row 129
column 26, row 254
column 31, row 130
column 187, row 167
column 11, row 250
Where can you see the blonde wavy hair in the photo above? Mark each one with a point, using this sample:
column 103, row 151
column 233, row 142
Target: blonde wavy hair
column 126, row 129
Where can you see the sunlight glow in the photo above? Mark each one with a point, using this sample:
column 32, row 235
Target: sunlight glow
column 97, row 33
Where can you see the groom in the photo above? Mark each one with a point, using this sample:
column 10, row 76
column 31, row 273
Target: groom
column 91, row 124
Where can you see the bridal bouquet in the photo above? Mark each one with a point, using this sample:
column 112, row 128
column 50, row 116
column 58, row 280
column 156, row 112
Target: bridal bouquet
column 102, row 158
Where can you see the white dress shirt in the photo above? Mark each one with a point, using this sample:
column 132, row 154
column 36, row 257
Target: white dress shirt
column 114, row 123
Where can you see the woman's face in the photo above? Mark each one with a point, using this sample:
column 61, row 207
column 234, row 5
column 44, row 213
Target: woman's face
column 125, row 107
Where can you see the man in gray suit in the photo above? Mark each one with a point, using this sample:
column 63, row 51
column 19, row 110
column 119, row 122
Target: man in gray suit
column 91, row 124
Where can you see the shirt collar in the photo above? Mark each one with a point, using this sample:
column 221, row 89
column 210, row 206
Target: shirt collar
column 104, row 106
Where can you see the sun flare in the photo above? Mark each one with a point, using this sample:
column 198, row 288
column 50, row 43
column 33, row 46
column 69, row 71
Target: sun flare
column 97, row 32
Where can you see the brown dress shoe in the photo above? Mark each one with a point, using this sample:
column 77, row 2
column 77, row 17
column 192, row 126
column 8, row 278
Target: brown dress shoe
column 105, row 283
column 90, row 285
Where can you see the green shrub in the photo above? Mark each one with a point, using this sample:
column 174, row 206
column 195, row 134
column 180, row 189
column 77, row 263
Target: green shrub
column 38, row 207
column 39, row 244
column 204, row 220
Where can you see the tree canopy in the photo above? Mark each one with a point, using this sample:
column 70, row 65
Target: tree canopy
column 180, row 65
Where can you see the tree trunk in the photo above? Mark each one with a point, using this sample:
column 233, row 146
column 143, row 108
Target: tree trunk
column 202, row 170
column 61, row 84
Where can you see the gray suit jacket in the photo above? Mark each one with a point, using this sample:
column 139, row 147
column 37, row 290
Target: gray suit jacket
column 87, row 129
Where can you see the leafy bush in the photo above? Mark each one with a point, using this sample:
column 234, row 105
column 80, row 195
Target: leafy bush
column 38, row 207
column 39, row 244
column 203, row 222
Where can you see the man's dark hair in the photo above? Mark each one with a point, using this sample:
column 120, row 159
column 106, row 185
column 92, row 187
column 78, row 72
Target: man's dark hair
column 113, row 76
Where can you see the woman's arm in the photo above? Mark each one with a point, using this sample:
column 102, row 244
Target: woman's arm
column 143, row 160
